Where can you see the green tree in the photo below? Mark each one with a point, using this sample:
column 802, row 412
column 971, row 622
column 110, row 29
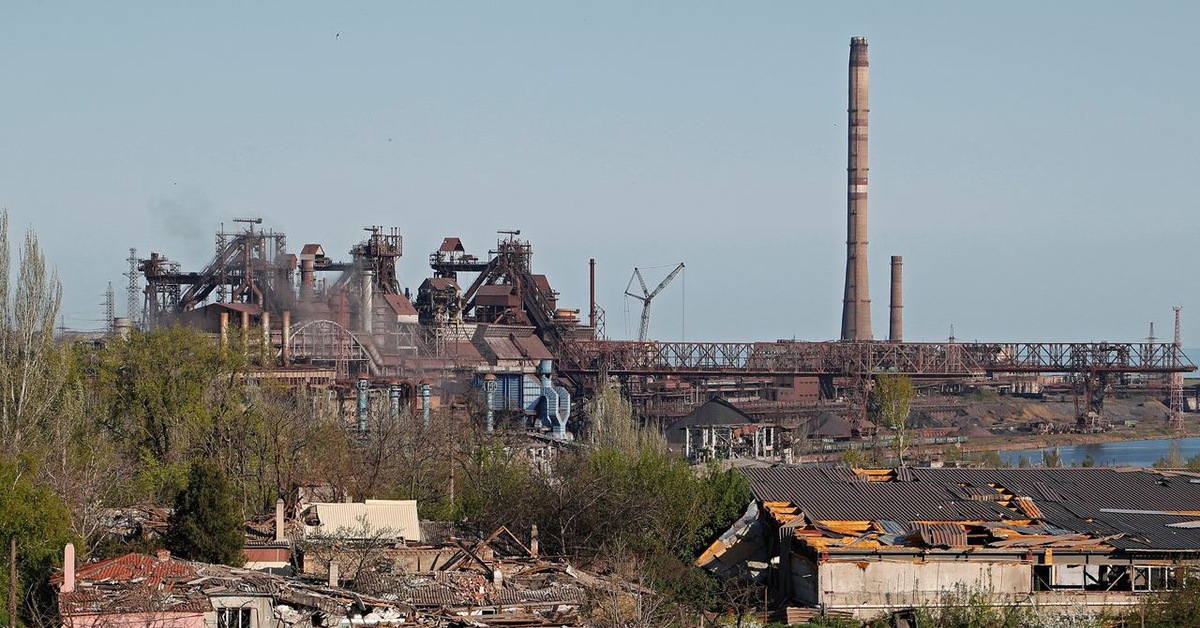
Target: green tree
column 39, row 521
column 893, row 394
column 1167, row 609
column 207, row 525
column 1052, row 458
column 169, row 396
column 33, row 368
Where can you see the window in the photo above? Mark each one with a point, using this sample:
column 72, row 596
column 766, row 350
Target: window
column 1154, row 578
column 233, row 618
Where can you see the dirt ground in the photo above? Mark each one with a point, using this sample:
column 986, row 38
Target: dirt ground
column 1133, row 418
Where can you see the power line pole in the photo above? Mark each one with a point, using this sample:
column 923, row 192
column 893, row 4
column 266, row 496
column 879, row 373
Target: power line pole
column 12, row 582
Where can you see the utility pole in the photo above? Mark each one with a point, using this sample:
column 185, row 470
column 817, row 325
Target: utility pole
column 12, row 582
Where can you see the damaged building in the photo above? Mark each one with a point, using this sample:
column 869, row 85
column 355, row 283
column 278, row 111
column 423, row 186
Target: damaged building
column 870, row 542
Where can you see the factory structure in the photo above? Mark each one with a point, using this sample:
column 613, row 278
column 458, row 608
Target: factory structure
column 489, row 330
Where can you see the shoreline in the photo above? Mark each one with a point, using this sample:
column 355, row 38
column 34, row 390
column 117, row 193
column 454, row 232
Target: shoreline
column 1063, row 440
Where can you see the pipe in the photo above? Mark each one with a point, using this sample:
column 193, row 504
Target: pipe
column 394, row 399
column 489, row 394
column 896, row 318
column 286, row 334
column 856, row 304
column 307, row 279
column 426, row 390
column 279, row 520
column 364, row 407
column 224, row 329
column 265, row 347
column 68, row 584
column 368, row 290
column 592, row 293
column 245, row 328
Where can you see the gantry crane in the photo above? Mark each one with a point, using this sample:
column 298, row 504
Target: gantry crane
column 647, row 296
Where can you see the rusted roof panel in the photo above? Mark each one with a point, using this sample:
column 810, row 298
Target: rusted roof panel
column 451, row 245
column 941, row 534
column 400, row 305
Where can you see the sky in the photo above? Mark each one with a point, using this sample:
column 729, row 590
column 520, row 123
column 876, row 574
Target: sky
column 1033, row 162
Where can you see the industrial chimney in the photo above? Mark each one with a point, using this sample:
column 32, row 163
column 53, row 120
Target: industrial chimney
column 896, row 320
column 856, row 306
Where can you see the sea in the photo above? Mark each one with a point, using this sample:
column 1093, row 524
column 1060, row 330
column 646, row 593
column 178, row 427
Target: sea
column 1130, row 453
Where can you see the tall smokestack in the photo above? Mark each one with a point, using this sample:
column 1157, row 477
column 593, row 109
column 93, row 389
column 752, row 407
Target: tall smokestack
column 856, row 306
column 896, row 320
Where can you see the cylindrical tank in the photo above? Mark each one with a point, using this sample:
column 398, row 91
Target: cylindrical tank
column 364, row 404
column 426, row 393
column 489, row 391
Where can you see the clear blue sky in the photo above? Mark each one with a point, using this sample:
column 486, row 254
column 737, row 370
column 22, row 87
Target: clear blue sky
column 1033, row 162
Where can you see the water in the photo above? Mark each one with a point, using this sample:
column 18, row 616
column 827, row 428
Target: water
column 1130, row 453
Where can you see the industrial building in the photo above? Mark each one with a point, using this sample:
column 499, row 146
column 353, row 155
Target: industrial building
column 488, row 330
column 345, row 323
column 871, row 542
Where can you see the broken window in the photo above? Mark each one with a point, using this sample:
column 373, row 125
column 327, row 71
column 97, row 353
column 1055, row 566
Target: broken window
column 1154, row 578
column 233, row 618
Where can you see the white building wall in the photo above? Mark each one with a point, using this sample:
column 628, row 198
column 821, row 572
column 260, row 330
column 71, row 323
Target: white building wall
column 868, row 588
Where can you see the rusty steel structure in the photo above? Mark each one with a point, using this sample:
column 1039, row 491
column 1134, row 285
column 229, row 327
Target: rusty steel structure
column 353, row 319
column 837, row 359
column 856, row 304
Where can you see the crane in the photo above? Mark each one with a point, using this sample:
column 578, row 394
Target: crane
column 647, row 296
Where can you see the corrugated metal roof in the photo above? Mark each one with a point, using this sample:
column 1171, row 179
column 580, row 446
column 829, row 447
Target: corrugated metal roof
column 376, row 518
column 941, row 534
column 1134, row 507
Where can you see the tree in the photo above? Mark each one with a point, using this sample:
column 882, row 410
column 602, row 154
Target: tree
column 894, row 394
column 1178, row 607
column 38, row 520
column 166, row 393
column 207, row 525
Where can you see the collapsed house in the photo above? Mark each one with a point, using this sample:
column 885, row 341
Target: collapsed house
column 140, row 590
column 496, row 580
column 874, row 541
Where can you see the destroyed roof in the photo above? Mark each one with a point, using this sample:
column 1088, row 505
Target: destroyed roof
column 1123, row 509
column 440, row 284
column 137, row 583
column 375, row 518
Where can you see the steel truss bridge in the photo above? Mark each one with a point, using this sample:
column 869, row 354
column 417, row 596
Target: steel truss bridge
column 856, row 358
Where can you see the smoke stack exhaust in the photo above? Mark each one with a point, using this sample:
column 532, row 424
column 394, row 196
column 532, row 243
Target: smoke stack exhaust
column 896, row 320
column 856, row 306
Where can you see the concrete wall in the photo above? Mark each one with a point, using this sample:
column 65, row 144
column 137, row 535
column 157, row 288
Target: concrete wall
column 869, row 588
column 262, row 613
column 136, row 620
